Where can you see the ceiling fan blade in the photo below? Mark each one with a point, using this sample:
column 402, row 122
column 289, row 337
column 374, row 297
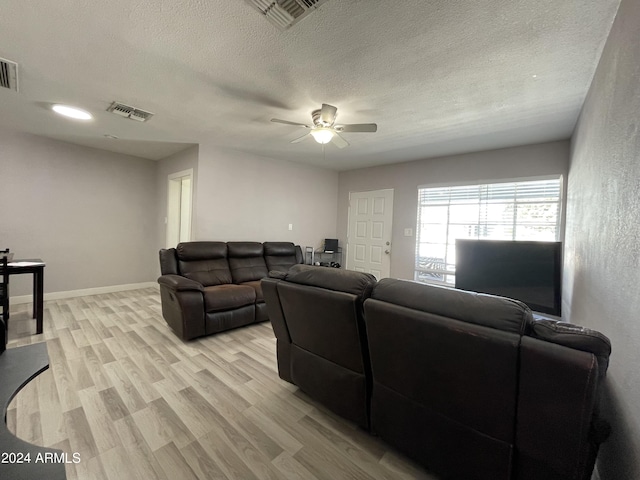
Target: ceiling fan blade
column 338, row 141
column 328, row 114
column 357, row 127
column 299, row 139
column 287, row 122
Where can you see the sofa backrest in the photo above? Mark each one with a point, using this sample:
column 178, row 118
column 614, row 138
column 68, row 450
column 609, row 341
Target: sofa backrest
column 204, row 262
column 470, row 307
column 323, row 311
column 281, row 256
column 246, row 261
column 450, row 357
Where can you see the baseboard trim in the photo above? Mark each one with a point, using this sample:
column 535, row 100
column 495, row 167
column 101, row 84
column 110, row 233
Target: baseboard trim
column 83, row 293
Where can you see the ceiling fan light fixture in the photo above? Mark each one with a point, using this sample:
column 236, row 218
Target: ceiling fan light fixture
column 322, row 135
column 323, row 128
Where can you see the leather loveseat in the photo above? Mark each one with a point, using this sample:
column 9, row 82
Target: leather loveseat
column 469, row 385
column 208, row 287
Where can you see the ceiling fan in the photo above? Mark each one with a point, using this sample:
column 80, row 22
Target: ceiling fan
column 324, row 130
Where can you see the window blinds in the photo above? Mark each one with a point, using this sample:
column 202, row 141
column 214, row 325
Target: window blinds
column 523, row 210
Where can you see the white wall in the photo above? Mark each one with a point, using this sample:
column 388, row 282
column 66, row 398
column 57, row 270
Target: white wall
column 89, row 214
column 602, row 253
column 97, row 218
column 405, row 178
column 245, row 197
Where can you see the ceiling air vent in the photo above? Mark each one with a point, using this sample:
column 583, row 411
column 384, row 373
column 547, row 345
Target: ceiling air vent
column 284, row 13
column 130, row 112
column 8, row 74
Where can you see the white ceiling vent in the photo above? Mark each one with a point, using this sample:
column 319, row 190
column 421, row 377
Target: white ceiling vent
column 284, row 13
column 8, row 74
column 130, row 112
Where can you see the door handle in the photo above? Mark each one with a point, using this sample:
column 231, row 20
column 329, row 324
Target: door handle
column 387, row 252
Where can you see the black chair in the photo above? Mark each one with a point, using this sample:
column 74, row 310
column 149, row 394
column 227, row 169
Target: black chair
column 4, row 287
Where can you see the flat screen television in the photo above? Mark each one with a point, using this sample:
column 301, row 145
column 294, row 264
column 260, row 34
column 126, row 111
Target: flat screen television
column 525, row 271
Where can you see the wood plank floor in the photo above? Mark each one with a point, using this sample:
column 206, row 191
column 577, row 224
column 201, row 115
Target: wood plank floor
column 136, row 402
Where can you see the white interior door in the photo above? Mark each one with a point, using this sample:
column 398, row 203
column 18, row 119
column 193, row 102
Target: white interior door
column 369, row 235
column 179, row 199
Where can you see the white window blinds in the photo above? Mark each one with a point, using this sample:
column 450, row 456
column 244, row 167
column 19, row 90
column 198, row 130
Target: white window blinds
column 524, row 210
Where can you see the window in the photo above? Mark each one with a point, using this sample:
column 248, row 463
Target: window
column 524, row 210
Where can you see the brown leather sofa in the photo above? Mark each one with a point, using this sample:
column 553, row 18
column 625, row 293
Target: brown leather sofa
column 469, row 385
column 209, row 287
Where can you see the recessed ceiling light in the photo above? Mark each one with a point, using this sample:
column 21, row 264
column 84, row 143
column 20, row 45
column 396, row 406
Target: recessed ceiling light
column 72, row 112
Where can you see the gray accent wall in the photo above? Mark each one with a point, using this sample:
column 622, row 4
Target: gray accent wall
column 88, row 213
column 404, row 178
column 246, row 197
column 602, row 253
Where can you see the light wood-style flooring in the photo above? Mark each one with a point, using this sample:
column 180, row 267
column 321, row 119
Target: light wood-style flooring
column 136, row 402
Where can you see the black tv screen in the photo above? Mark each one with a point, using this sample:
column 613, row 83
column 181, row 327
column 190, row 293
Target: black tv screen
column 525, row 271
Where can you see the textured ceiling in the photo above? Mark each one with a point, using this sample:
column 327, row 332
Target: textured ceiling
column 439, row 77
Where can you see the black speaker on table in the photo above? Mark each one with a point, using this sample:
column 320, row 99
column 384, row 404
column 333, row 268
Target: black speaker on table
column 330, row 245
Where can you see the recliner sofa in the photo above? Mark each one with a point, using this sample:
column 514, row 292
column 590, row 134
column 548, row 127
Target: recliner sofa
column 209, row 287
column 317, row 316
column 469, row 385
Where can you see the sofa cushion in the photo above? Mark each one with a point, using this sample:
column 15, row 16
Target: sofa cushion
column 280, row 256
column 204, row 262
column 225, row 297
column 256, row 285
column 246, row 261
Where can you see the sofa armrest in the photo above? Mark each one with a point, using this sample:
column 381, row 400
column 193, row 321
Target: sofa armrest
column 279, row 325
column 179, row 283
column 274, row 308
column 277, row 274
column 183, row 305
column 558, row 393
column 574, row 336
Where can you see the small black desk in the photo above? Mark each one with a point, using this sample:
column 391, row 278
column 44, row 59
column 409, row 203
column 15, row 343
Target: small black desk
column 36, row 267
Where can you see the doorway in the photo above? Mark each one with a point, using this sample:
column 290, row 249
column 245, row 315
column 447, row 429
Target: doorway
column 179, row 200
column 369, row 233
